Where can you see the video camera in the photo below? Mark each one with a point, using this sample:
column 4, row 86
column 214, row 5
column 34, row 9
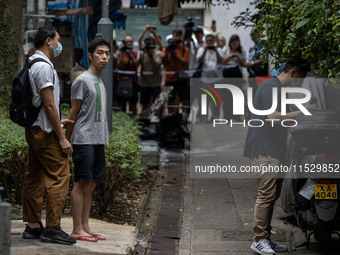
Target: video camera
column 149, row 43
column 124, row 47
column 172, row 44
column 188, row 28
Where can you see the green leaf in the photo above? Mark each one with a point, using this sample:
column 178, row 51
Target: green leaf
column 302, row 23
column 332, row 80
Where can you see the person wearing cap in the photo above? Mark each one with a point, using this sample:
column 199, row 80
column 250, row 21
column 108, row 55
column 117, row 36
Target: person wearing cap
column 267, row 147
column 255, row 66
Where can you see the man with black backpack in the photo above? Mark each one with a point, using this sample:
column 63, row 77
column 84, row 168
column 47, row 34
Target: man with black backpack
column 47, row 168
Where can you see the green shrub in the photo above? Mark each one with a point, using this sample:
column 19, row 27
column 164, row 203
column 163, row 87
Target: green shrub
column 123, row 157
column 13, row 153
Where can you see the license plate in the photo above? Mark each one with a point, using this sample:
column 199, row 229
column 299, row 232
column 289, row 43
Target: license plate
column 325, row 191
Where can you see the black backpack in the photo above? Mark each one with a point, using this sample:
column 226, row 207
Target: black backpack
column 21, row 110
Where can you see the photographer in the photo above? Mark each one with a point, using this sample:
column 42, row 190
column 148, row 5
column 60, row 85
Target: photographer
column 188, row 30
column 210, row 56
column 127, row 61
column 189, row 42
column 176, row 58
column 150, row 60
column 153, row 33
column 199, row 34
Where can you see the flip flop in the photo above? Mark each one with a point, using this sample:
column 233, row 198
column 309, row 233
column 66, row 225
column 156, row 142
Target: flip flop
column 87, row 238
column 98, row 236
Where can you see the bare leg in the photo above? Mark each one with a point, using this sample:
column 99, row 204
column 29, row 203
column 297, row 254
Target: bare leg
column 88, row 190
column 77, row 204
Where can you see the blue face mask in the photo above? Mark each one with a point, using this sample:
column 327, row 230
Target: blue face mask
column 57, row 51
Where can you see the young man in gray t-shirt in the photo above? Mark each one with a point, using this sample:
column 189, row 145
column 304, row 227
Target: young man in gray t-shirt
column 88, row 136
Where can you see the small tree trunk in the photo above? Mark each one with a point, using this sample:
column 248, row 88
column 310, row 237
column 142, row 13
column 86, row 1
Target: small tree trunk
column 10, row 45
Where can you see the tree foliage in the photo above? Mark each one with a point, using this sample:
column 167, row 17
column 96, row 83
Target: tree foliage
column 9, row 50
column 306, row 28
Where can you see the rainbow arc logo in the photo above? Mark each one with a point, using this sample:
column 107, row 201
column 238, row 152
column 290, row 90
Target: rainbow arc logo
column 204, row 98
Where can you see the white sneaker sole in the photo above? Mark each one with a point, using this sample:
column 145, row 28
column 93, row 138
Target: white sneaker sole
column 261, row 252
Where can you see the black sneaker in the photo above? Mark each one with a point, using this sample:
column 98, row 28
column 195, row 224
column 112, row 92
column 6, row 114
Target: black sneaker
column 56, row 236
column 32, row 233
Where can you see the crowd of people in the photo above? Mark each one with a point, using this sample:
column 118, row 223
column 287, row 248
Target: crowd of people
column 49, row 147
column 140, row 75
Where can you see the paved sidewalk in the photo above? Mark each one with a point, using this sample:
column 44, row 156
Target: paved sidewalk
column 119, row 240
column 218, row 212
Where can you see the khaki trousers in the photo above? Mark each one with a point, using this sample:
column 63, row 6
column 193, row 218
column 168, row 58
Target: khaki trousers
column 47, row 170
column 269, row 189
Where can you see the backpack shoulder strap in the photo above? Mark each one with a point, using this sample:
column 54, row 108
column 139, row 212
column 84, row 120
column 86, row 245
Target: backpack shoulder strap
column 30, row 63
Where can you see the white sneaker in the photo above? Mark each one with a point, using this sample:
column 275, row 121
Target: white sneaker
column 262, row 247
column 277, row 247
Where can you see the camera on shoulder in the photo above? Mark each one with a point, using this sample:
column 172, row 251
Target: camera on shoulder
column 172, row 44
column 124, row 46
column 149, row 43
column 188, row 28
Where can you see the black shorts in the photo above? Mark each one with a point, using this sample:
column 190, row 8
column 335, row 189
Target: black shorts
column 89, row 163
column 180, row 87
column 149, row 94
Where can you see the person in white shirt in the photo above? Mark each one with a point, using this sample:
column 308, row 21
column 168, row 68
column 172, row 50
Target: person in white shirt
column 199, row 35
column 194, row 47
column 47, row 168
column 211, row 56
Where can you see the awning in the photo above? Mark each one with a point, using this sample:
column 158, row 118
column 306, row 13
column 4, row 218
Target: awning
column 118, row 20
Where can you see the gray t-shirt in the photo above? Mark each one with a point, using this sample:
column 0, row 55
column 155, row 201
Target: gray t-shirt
column 91, row 123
